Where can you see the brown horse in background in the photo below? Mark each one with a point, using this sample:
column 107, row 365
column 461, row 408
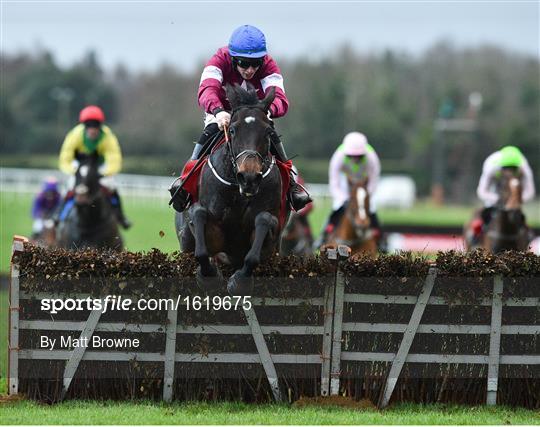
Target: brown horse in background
column 507, row 229
column 296, row 238
column 354, row 228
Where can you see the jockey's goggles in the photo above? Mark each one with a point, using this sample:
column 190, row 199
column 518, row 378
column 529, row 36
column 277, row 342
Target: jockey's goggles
column 92, row 124
column 514, row 169
column 245, row 63
column 356, row 157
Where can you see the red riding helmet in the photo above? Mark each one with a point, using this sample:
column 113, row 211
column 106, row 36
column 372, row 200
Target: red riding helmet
column 91, row 112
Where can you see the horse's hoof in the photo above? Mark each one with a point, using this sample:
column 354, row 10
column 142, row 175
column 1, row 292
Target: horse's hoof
column 239, row 285
column 210, row 283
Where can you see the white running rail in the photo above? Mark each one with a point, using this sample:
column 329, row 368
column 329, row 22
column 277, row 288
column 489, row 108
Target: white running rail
column 22, row 180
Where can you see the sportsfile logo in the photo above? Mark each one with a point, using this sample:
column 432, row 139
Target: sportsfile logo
column 114, row 302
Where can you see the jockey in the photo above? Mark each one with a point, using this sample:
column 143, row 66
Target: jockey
column 244, row 60
column 508, row 157
column 354, row 158
column 45, row 204
column 89, row 136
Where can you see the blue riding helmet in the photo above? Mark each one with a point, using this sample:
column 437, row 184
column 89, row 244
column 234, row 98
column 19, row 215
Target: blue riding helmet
column 247, row 41
column 50, row 184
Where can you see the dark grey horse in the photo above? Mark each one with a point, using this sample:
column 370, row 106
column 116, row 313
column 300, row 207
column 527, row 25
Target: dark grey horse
column 507, row 229
column 91, row 222
column 237, row 213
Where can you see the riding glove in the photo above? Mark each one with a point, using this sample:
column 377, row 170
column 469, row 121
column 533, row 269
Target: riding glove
column 223, row 119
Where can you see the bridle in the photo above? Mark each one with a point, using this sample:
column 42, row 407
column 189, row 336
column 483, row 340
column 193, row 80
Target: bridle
column 268, row 162
column 362, row 233
column 83, row 187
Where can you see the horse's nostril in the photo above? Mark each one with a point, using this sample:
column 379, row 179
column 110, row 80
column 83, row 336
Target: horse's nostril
column 258, row 178
column 81, row 189
column 241, row 178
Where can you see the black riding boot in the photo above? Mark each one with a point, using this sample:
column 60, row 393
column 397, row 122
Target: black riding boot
column 180, row 199
column 487, row 214
column 208, row 133
column 376, row 227
column 197, row 150
column 298, row 196
column 374, row 220
column 119, row 212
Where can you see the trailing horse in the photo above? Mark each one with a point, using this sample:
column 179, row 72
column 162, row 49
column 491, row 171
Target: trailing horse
column 241, row 205
column 90, row 222
column 296, row 238
column 500, row 227
column 354, row 227
column 507, row 229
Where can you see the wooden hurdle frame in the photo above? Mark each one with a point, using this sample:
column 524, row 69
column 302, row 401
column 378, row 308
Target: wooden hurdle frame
column 332, row 331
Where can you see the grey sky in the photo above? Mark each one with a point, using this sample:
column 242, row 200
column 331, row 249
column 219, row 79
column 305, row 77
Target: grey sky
column 143, row 35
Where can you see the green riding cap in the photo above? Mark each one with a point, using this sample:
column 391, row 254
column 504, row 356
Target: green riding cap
column 511, row 156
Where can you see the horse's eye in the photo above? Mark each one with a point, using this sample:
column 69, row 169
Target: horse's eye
column 232, row 131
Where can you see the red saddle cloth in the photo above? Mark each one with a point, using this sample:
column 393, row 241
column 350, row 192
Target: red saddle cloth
column 192, row 183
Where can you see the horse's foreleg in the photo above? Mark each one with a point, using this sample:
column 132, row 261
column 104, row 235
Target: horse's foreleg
column 241, row 282
column 199, row 217
column 264, row 224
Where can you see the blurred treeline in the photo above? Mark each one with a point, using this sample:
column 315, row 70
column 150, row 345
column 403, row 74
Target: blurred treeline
column 391, row 97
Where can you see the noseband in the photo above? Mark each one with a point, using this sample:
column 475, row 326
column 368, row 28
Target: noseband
column 267, row 162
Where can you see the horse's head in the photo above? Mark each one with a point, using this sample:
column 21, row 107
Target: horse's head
column 250, row 131
column 359, row 205
column 507, row 229
column 510, row 189
column 87, row 179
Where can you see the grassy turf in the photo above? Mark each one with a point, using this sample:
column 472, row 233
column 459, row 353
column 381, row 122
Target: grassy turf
column 77, row 412
column 153, row 220
column 153, row 223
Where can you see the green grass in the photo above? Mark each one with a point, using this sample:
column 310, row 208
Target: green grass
column 154, row 220
column 81, row 412
column 150, row 217
column 153, row 223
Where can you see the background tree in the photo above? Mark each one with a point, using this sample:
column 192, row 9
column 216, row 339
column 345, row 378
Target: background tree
column 392, row 97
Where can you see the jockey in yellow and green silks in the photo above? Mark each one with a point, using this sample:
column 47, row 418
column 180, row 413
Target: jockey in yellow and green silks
column 90, row 136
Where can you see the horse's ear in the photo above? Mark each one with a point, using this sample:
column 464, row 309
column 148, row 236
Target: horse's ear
column 267, row 101
column 232, row 94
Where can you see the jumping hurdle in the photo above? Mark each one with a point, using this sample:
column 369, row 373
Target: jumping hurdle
column 323, row 328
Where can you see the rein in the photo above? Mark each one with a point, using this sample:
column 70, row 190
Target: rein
column 246, row 153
